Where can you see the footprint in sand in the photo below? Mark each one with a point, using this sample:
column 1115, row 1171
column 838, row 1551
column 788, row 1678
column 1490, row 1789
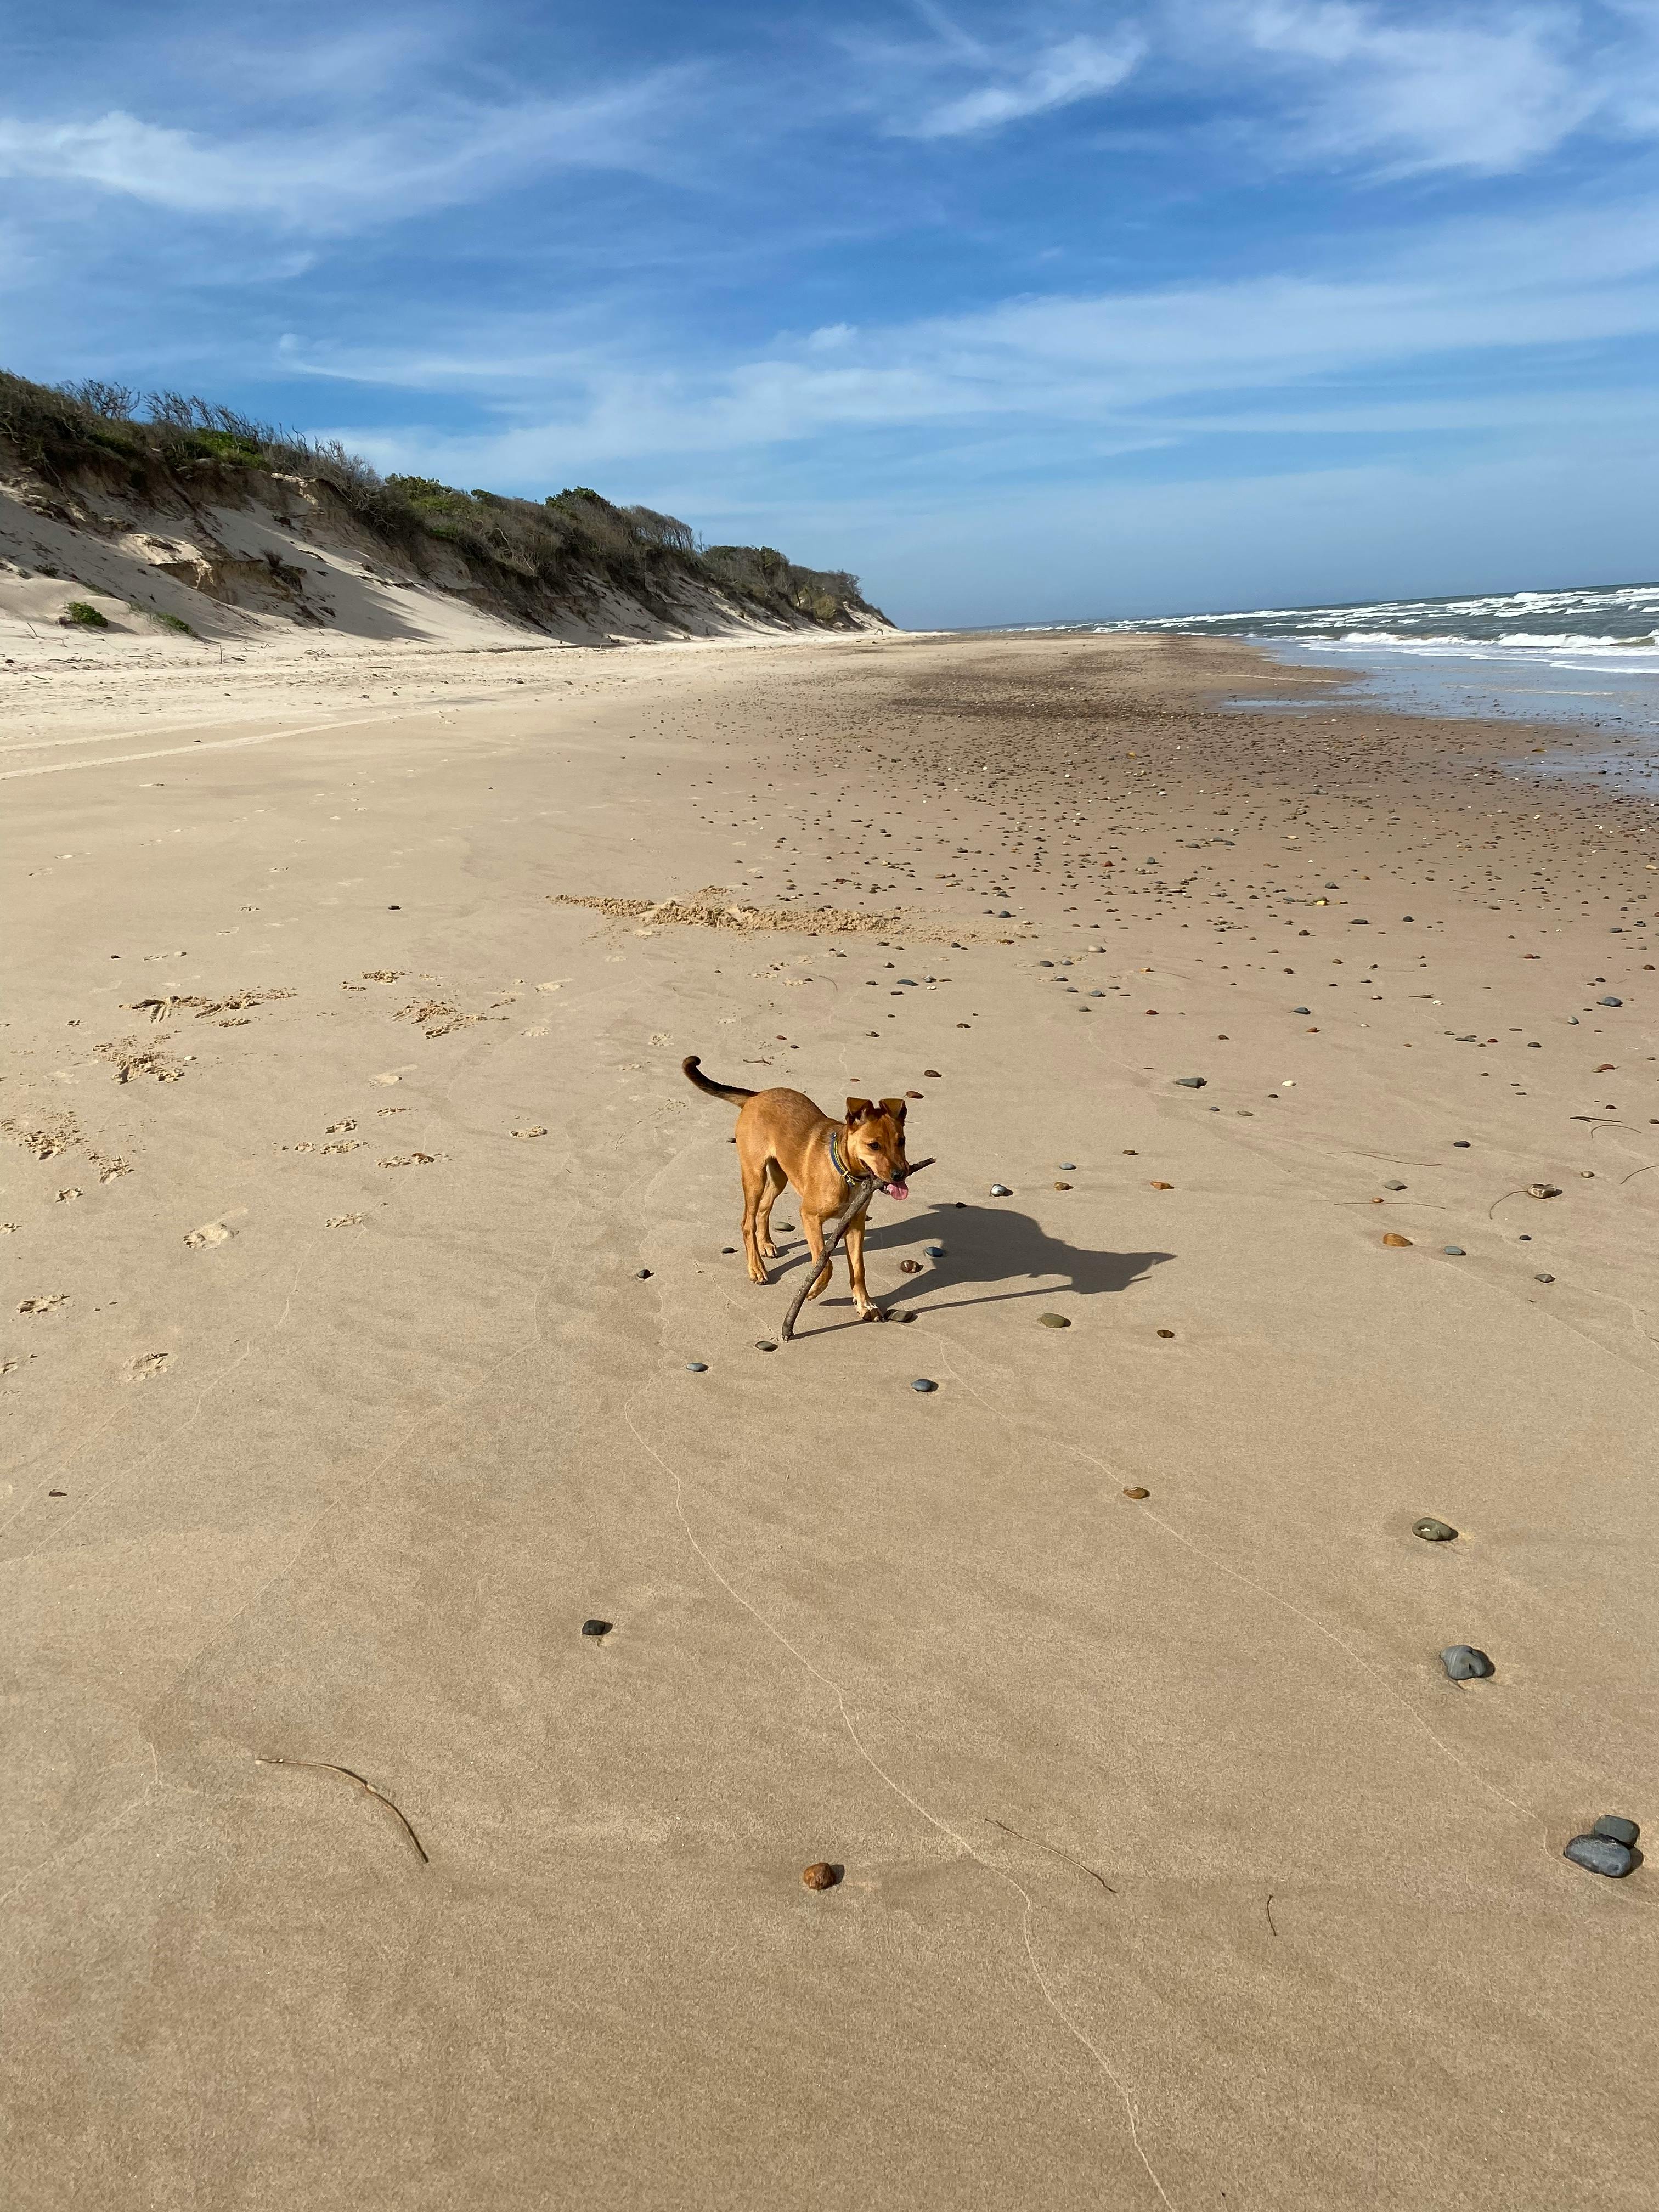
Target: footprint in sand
column 539, row 1131
column 345, row 1221
column 211, row 1232
column 152, row 1363
column 409, row 1160
column 43, row 1304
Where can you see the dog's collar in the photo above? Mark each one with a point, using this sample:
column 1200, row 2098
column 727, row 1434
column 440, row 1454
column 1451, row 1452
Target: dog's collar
column 840, row 1165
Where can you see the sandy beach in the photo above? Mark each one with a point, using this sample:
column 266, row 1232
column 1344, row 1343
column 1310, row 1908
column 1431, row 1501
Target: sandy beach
column 375, row 1319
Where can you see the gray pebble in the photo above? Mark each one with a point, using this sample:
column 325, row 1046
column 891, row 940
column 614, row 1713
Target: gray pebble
column 1572, row 1021
column 1302, row 1010
column 1460, row 1144
column 1602, row 1856
column 1393, row 1186
column 1000, row 1190
column 1616, row 1828
column 1068, row 1167
column 764, row 1344
column 1432, row 1531
column 934, row 1251
column 1609, row 1002
column 1045, row 963
column 1454, row 1251
column 1465, row 1664
column 1543, row 1279
column 1192, row 1082
column 596, row 1628
column 696, row 1367
column 922, row 1384
column 1053, row 1320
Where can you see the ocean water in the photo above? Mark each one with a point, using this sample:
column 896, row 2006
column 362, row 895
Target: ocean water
column 1586, row 656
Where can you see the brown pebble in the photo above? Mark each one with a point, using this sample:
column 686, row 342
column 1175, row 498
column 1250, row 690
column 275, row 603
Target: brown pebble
column 1062, row 1186
column 1398, row 1242
column 1162, row 1185
column 822, row 1875
column 909, row 1267
column 1137, row 1493
column 913, row 1094
column 1166, row 1331
column 1130, row 1153
column 933, row 1074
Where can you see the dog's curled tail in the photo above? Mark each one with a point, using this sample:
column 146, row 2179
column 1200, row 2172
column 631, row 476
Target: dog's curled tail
column 694, row 1073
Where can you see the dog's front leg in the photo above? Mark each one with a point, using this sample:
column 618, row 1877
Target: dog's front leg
column 813, row 1224
column 854, row 1241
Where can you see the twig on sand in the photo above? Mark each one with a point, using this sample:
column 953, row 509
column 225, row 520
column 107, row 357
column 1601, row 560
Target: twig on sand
column 1054, row 1848
column 1270, row 1915
column 327, row 1767
column 838, row 1223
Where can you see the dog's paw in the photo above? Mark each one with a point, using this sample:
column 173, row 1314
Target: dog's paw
column 771, row 1251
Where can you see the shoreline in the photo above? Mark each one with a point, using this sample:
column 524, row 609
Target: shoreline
column 377, row 1322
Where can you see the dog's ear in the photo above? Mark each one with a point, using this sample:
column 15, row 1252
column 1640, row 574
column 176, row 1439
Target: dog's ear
column 857, row 1108
column 896, row 1107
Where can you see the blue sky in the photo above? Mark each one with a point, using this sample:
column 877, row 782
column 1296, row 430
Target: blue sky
column 1023, row 311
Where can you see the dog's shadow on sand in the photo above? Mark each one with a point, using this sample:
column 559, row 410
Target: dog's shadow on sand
column 991, row 1254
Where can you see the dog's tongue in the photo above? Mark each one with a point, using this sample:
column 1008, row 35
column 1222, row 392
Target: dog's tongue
column 896, row 1189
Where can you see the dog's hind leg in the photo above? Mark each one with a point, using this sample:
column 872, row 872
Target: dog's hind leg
column 755, row 1193
column 776, row 1183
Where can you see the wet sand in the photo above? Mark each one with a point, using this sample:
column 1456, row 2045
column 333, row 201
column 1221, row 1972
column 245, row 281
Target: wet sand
column 341, row 1869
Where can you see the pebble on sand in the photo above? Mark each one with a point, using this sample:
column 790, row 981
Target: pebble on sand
column 1460, row 1144
column 1543, row 1190
column 1454, row 1251
column 1465, row 1664
column 1166, row 1331
column 934, row 1251
column 1393, row 1186
column 909, row 1267
column 1399, row 1243
column 1137, row 1493
column 922, row 1384
column 1432, row 1531
column 1609, row 1002
column 765, row 1344
column 696, row 1367
column 934, row 1073
column 642, row 1275
column 1067, row 1167
column 1161, row 1186
column 1601, row 1855
column 1302, row 1010
column 596, row 1628
column 1543, row 1279
column 1053, row 1320
column 821, row 1876
column 1616, row 1828
column 1000, row 1190
column 1062, row 1186
column 1191, row 1082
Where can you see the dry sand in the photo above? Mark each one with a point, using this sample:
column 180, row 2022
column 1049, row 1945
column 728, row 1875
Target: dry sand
column 1176, row 1872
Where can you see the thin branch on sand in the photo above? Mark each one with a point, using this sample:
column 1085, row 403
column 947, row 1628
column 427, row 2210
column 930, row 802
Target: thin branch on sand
column 1054, row 1849
column 327, row 1767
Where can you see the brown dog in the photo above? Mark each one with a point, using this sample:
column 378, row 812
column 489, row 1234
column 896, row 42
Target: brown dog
column 782, row 1137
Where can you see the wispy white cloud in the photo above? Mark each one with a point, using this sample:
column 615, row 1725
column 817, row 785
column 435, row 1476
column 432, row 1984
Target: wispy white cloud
column 1131, row 366
column 1480, row 89
column 330, row 179
column 1013, row 87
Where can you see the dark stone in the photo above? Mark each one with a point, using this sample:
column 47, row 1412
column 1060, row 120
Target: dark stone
column 644, row 1275
column 1465, row 1664
column 934, row 1251
column 696, row 1367
column 764, row 1344
column 596, row 1628
column 1601, row 1855
column 1302, row 1010
column 1609, row 1002
column 822, row 1875
column 1543, row 1279
column 1434, row 1532
column 1191, row 1082
column 1616, row 1828
column 1393, row 1186
column 922, row 1384
column 1460, row 1144
column 1053, row 1320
